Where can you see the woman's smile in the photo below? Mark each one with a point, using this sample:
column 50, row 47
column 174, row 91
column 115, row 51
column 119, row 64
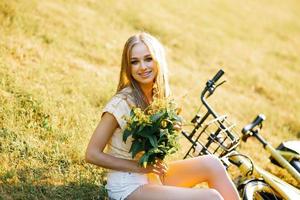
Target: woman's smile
column 145, row 74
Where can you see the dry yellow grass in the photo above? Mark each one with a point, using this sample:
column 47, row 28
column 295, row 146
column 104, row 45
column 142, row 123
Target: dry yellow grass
column 58, row 66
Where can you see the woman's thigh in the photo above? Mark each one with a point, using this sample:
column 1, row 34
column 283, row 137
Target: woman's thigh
column 158, row 192
column 190, row 172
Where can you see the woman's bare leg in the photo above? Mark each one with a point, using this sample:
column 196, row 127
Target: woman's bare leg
column 158, row 192
column 190, row 172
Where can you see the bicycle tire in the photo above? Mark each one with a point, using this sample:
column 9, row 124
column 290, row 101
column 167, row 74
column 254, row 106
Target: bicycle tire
column 258, row 189
column 296, row 164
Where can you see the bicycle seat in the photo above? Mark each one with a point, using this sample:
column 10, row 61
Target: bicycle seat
column 258, row 120
column 292, row 145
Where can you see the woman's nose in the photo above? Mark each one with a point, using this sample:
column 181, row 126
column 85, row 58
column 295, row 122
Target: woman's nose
column 143, row 65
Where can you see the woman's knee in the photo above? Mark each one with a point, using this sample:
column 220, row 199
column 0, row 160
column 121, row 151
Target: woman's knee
column 214, row 164
column 212, row 167
column 214, row 195
column 210, row 194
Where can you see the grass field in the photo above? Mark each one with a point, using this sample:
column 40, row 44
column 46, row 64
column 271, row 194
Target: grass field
column 58, row 66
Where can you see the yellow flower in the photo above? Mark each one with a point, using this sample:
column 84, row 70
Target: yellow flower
column 178, row 110
column 164, row 123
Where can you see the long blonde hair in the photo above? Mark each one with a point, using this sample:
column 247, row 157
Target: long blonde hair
column 161, row 85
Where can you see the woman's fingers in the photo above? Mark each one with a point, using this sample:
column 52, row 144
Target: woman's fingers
column 160, row 168
column 155, row 171
column 177, row 126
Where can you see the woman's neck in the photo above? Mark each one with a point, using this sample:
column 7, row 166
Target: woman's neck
column 148, row 91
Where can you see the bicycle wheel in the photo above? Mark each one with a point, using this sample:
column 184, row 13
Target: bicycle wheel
column 258, row 189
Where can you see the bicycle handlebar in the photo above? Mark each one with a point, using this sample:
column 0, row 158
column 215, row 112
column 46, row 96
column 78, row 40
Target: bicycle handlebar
column 210, row 84
column 217, row 76
column 210, row 87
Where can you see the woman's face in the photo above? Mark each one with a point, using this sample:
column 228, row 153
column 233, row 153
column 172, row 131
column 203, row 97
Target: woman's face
column 143, row 67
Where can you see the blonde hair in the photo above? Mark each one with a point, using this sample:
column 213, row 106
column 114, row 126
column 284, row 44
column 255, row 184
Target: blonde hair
column 161, row 85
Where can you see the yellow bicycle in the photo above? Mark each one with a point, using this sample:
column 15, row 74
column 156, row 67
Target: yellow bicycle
column 214, row 134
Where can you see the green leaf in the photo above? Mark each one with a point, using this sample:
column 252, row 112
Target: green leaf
column 152, row 155
column 163, row 132
column 155, row 150
column 131, row 130
column 162, row 135
column 155, row 117
column 135, row 148
column 153, row 140
column 126, row 134
column 147, row 131
column 140, row 129
column 144, row 160
column 152, row 158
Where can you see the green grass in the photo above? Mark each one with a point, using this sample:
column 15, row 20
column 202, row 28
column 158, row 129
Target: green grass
column 58, row 66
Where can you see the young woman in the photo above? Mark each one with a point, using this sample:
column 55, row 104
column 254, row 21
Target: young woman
column 144, row 75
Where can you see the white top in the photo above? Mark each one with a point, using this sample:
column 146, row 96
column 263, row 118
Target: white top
column 121, row 184
column 120, row 106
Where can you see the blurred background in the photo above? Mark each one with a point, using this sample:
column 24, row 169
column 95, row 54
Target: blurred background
column 59, row 65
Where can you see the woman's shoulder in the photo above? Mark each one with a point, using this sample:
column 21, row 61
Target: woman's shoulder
column 120, row 105
column 127, row 91
column 122, row 98
column 125, row 95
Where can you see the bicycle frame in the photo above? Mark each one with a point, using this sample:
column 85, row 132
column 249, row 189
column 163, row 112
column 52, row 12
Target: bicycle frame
column 252, row 171
column 249, row 131
column 222, row 141
column 283, row 162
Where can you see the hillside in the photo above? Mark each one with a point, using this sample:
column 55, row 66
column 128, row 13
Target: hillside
column 58, row 66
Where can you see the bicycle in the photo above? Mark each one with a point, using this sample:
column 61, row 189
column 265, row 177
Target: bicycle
column 214, row 134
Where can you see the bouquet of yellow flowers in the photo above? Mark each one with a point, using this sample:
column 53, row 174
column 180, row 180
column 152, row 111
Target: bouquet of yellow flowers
column 153, row 131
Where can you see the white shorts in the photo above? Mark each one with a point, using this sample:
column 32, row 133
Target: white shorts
column 121, row 184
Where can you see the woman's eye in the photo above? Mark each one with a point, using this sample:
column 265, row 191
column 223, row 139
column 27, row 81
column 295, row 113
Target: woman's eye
column 134, row 62
column 148, row 59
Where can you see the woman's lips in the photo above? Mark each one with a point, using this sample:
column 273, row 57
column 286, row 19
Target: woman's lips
column 145, row 74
